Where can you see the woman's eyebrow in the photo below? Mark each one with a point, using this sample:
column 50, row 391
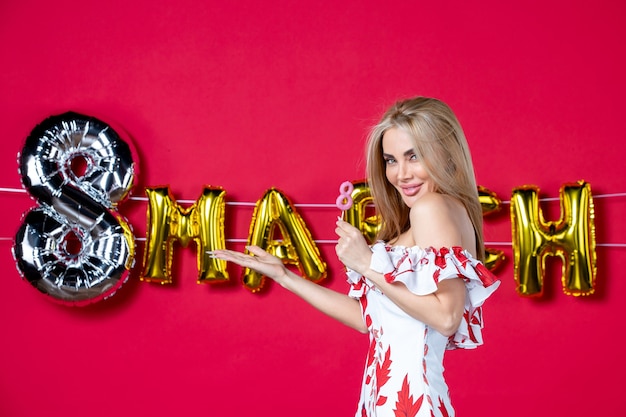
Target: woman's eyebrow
column 406, row 153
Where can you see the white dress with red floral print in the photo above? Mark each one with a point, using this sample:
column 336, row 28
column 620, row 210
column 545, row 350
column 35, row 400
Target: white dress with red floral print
column 404, row 370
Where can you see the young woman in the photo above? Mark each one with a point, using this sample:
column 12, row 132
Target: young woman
column 419, row 290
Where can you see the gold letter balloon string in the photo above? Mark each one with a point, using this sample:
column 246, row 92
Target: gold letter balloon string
column 276, row 227
column 572, row 238
column 75, row 246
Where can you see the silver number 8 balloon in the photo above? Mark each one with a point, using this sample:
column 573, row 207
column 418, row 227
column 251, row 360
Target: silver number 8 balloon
column 75, row 246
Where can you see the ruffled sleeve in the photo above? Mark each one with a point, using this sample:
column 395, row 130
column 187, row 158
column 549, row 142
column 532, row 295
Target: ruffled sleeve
column 421, row 270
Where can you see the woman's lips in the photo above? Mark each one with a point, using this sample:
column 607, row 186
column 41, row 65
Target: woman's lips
column 410, row 190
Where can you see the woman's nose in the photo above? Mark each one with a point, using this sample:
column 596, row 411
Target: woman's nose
column 403, row 170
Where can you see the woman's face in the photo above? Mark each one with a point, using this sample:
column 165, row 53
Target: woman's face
column 404, row 170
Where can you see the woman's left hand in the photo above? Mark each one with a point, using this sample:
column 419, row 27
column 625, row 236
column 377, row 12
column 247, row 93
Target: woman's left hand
column 352, row 248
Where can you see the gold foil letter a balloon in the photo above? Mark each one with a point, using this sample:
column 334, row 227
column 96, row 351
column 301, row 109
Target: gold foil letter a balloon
column 272, row 212
column 572, row 238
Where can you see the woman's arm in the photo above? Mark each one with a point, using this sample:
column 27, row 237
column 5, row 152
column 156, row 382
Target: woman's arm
column 332, row 303
column 432, row 224
column 441, row 310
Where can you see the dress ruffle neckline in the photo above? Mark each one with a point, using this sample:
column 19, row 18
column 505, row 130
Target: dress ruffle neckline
column 421, row 270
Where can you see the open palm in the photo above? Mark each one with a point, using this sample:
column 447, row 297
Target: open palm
column 260, row 261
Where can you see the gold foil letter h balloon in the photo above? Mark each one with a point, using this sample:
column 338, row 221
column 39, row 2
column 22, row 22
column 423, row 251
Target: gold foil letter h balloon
column 572, row 238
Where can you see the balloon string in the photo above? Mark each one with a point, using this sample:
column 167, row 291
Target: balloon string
column 12, row 190
column 610, row 195
column 322, row 205
column 244, row 203
column 334, row 241
column 240, row 203
column 228, row 203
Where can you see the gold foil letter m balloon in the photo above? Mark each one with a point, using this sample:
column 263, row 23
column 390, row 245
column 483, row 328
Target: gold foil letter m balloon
column 572, row 238
column 168, row 222
column 296, row 247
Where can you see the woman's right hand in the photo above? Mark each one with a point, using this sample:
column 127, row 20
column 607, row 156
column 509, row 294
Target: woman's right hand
column 262, row 262
column 336, row 305
column 352, row 248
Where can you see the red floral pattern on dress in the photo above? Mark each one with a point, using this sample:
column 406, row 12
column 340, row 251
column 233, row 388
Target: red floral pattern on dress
column 382, row 376
column 485, row 275
column 442, row 409
column 407, row 381
column 440, row 257
column 405, row 406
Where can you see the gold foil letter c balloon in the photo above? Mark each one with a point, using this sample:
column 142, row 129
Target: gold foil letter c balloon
column 357, row 214
column 274, row 211
column 572, row 238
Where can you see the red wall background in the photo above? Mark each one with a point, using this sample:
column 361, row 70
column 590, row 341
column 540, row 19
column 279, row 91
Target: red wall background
column 253, row 95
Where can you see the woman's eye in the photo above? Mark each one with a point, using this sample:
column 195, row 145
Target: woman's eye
column 389, row 161
column 413, row 157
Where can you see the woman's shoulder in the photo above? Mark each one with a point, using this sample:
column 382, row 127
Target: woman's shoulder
column 440, row 220
column 437, row 205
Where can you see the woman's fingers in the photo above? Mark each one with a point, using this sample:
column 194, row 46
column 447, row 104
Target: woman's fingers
column 256, row 251
column 260, row 260
column 348, row 234
column 341, row 224
column 223, row 254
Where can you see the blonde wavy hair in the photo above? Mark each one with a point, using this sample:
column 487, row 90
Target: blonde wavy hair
column 441, row 146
